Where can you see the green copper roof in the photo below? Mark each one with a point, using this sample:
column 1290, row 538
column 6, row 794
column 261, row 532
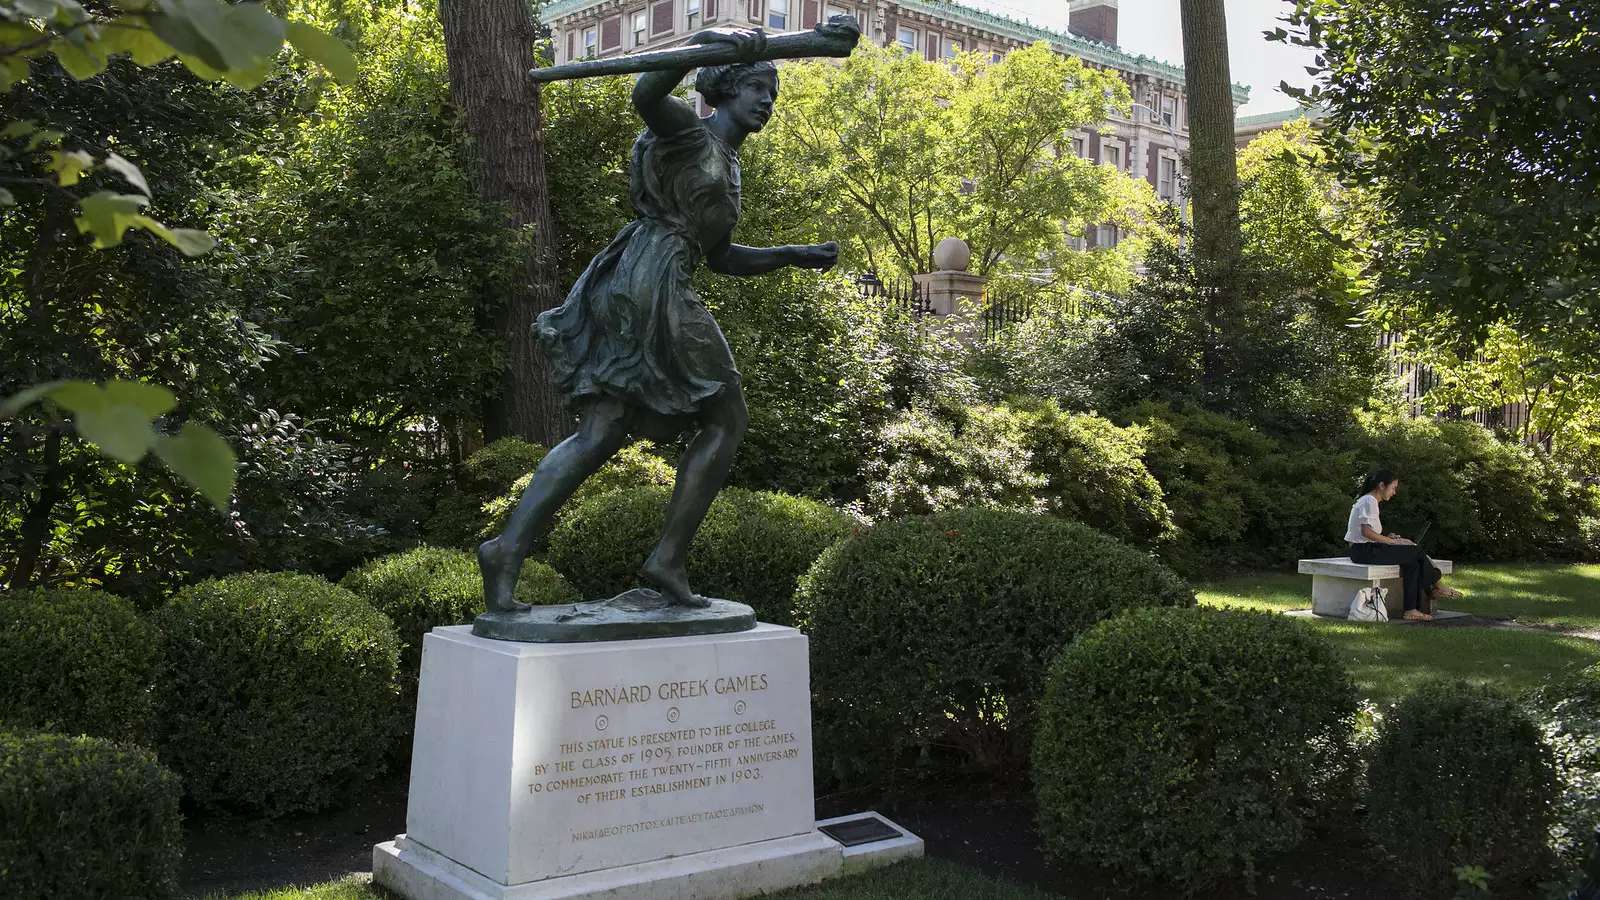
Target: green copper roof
column 1070, row 44
column 1281, row 117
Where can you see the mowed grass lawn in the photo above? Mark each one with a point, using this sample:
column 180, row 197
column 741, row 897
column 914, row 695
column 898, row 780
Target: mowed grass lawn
column 928, row 879
column 1387, row 659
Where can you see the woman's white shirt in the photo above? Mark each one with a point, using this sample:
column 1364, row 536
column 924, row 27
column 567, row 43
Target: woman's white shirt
column 1364, row 512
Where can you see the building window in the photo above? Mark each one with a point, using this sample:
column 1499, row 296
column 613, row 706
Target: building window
column 641, row 22
column 692, row 17
column 952, row 48
column 1169, row 110
column 778, row 14
column 1168, row 186
column 591, row 40
column 907, row 38
column 1152, row 102
column 1105, row 236
column 1113, row 154
column 995, row 56
column 1077, row 147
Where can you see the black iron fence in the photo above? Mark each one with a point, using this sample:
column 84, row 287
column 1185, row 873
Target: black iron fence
column 903, row 294
column 1002, row 311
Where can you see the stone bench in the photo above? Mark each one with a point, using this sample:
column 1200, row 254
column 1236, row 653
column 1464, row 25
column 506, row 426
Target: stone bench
column 1335, row 581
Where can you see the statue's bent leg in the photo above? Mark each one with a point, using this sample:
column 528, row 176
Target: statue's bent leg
column 702, row 470
column 603, row 431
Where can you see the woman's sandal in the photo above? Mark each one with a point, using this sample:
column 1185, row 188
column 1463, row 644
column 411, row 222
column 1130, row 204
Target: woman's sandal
column 1417, row 615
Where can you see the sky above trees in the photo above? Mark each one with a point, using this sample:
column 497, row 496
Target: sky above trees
column 1151, row 27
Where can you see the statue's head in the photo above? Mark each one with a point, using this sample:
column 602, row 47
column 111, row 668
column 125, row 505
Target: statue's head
column 744, row 92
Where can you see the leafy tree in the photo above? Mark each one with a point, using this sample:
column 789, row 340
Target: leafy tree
column 490, row 46
column 1558, row 390
column 1474, row 127
column 213, row 39
column 896, row 153
column 1286, row 360
column 370, row 253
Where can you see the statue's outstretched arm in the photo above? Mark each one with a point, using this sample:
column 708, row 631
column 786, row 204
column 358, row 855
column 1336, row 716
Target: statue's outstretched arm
column 737, row 259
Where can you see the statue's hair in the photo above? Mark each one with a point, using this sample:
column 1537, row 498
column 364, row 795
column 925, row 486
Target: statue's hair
column 718, row 83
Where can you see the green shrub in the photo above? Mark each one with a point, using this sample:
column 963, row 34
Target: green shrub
column 1094, row 472
column 1460, row 777
column 1187, row 745
column 426, row 587
column 77, row 662
column 752, row 547
column 280, row 691
column 1568, row 712
column 485, row 475
column 634, row 466
column 1241, row 498
column 935, row 631
column 957, row 457
column 87, row 818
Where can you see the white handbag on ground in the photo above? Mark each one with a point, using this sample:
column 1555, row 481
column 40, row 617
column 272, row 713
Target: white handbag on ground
column 1370, row 605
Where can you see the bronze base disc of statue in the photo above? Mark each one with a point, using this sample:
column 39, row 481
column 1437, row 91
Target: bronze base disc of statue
column 631, row 615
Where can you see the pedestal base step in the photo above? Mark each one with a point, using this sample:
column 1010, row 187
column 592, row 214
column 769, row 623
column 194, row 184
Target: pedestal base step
column 416, row 872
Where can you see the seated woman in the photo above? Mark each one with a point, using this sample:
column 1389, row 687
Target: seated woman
column 1371, row 547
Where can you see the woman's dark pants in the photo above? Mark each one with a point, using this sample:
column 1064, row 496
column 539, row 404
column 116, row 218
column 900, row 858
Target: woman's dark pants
column 1417, row 572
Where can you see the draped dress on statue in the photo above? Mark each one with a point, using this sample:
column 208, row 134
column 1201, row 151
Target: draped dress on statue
column 632, row 326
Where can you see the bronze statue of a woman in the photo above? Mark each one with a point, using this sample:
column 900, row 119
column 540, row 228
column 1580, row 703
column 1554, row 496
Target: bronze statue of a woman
column 633, row 346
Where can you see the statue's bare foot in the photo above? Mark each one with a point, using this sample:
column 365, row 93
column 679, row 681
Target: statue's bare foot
column 672, row 582
column 499, row 568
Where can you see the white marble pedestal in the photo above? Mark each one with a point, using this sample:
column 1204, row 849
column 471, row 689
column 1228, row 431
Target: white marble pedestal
column 667, row 767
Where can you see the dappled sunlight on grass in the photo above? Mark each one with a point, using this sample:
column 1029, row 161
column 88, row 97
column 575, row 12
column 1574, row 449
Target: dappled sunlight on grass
column 1265, row 590
column 1549, row 593
column 1388, row 659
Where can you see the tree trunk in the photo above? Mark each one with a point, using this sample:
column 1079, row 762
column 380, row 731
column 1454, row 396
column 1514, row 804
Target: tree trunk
column 490, row 45
column 1213, row 172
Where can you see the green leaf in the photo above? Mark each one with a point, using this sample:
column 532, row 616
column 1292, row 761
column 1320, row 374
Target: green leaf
column 19, row 128
column 81, row 62
column 107, row 216
column 152, row 399
column 43, row 137
column 13, row 70
column 328, row 51
column 189, row 241
column 181, row 35
column 139, row 42
column 21, row 400
column 129, row 172
column 79, row 396
column 202, row 458
column 69, row 166
column 119, row 430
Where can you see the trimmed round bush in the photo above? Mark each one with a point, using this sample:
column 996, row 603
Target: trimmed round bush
column 1567, row 709
column 752, row 547
column 280, row 691
column 1189, row 745
column 77, row 662
column 1460, row 776
column 85, row 817
column 935, row 631
column 633, row 466
column 426, row 587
